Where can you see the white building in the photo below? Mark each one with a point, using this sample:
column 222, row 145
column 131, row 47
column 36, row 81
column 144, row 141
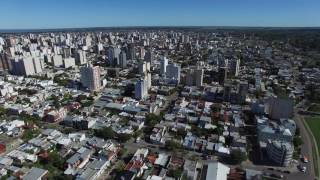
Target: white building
column 163, row 65
column 211, row 170
column 69, row 62
column 57, row 60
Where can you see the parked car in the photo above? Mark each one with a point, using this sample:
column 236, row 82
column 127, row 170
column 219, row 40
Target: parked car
column 302, row 168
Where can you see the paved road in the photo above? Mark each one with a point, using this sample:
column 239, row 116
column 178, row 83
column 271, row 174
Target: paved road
column 306, row 148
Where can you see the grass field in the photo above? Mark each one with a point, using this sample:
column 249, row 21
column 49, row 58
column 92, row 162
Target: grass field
column 313, row 124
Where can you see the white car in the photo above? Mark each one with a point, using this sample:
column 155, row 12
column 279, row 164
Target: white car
column 302, row 168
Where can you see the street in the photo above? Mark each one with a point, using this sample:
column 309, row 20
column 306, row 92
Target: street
column 306, row 148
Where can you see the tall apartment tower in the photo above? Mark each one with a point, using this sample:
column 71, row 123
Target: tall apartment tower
column 26, row 66
column 81, row 57
column 123, row 59
column 173, row 72
column 140, row 89
column 148, row 56
column 163, row 65
column 243, row 87
column 198, row 73
column 90, row 77
column 194, row 77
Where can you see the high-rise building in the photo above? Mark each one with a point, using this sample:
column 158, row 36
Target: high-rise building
column 242, row 91
column 113, row 55
column 222, row 75
column 90, row 77
column 163, row 65
column 57, row 60
column 148, row 57
column 4, row 61
column 140, row 89
column 69, row 62
column 173, row 72
column 81, row 57
column 227, row 89
column 123, row 59
column 37, row 64
column 189, row 77
column 116, row 56
column 198, row 73
column 88, row 41
column 148, row 75
column 110, row 54
column 142, row 67
column 131, row 52
column 66, row 52
column 280, row 152
column 26, row 65
column 234, row 67
column 194, row 77
column 142, row 52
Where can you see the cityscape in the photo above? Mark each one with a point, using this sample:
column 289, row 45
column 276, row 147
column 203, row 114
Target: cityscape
column 159, row 102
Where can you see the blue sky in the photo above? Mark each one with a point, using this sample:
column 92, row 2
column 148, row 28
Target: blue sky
column 22, row 14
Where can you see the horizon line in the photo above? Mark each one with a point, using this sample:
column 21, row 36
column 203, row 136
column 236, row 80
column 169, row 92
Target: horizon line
column 159, row 26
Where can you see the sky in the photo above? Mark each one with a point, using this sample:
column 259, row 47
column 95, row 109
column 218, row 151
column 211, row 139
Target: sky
column 35, row 14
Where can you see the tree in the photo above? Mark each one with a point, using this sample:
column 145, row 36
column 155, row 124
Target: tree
column 105, row 133
column 81, row 97
column 123, row 137
column 176, row 173
column 55, row 159
column 3, row 111
column 229, row 140
column 172, row 145
column 238, row 156
column 137, row 133
column 297, row 141
column 29, row 134
column 215, row 108
column 30, row 118
column 181, row 133
column 56, row 102
column 152, row 119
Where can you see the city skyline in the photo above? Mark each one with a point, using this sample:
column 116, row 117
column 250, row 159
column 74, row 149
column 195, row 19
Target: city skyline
column 35, row 14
